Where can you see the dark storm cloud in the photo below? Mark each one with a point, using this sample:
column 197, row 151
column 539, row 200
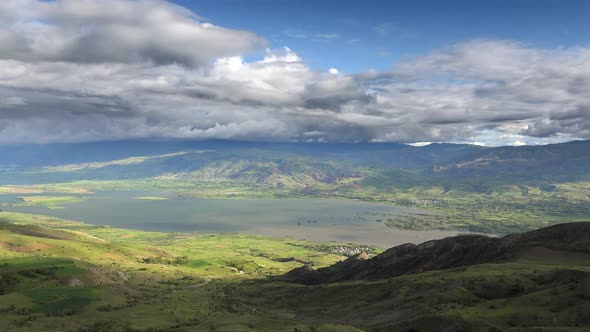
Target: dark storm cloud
column 51, row 103
column 578, row 113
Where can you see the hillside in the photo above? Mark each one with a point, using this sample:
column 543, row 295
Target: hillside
column 554, row 162
column 69, row 276
column 271, row 163
column 452, row 252
column 537, row 281
column 385, row 154
column 252, row 161
column 271, row 169
column 60, row 275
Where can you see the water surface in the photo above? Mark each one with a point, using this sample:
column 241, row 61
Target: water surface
column 316, row 219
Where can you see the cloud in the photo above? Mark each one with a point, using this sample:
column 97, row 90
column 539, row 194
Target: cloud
column 382, row 52
column 503, row 85
column 392, row 30
column 309, row 35
column 12, row 101
column 193, row 82
column 327, row 35
column 90, row 31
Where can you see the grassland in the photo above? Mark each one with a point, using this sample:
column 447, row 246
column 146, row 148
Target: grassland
column 40, row 188
column 216, row 252
column 502, row 210
column 51, row 202
column 65, row 275
column 69, row 276
column 521, row 295
column 120, row 162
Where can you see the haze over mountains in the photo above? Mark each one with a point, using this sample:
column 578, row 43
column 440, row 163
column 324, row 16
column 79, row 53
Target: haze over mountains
column 322, row 162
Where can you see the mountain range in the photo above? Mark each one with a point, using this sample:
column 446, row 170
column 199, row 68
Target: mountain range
column 261, row 162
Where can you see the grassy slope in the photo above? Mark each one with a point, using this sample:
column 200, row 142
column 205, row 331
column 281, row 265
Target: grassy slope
column 541, row 288
column 61, row 275
column 51, row 202
column 97, row 165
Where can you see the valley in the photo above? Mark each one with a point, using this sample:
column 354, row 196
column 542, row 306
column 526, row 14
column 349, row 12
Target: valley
column 294, row 166
column 66, row 275
column 319, row 219
column 226, row 236
column 464, row 188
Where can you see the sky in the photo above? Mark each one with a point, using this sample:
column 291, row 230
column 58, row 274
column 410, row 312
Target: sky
column 376, row 34
column 480, row 72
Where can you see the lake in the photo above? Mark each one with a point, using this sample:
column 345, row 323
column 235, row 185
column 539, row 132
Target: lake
column 315, row 219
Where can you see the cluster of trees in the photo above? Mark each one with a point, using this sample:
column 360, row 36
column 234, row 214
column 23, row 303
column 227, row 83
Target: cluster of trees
column 6, row 283
column 180, row 260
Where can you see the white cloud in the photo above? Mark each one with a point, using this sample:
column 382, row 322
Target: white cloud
column 193, row 81
column 309, row 35
column 392, row 30
column 420, row 143
column 12, row 101
column 90, row 31
column 383, row 53
column 327, row 35
column 499, row 85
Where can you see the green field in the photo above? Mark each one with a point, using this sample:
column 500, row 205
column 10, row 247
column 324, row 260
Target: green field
column 68, row 276
column 64, row 274
column 51, row 202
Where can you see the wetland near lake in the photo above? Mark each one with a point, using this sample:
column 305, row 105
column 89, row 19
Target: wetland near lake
column 315, row 219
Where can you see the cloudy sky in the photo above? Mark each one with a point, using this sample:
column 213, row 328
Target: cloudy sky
column 91, row 70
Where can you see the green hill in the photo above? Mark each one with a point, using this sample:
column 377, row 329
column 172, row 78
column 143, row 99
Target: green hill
column 63, row 275
column 59, row 275
column 526, row 282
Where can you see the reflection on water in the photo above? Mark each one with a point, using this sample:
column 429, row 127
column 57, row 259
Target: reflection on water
column 314, row 219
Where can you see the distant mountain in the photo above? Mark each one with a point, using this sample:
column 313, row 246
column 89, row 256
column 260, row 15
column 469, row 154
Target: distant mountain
column 254, row 166
column 300, row 164
column 384, row 154
column 568, row 161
